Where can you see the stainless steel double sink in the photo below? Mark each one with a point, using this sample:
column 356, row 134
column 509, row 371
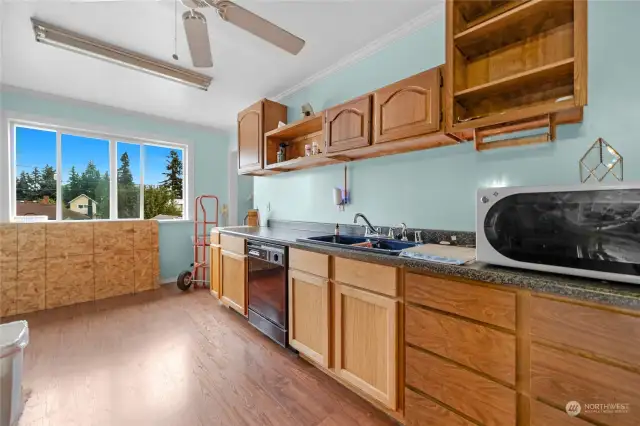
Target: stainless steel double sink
column 377, row 245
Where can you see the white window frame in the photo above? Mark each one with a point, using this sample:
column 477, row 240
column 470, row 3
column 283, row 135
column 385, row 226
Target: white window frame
column 65, row 128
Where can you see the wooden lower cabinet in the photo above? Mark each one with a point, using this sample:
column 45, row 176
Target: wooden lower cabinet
column 487, row 402
column 233, row 288
column 366, row 342
column 423, row 411
column 214, row 271
column 309, row 316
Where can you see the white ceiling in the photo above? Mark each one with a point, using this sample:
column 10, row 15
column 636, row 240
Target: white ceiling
column 245, row 68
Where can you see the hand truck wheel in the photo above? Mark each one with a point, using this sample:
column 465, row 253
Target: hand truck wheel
column 184, row 280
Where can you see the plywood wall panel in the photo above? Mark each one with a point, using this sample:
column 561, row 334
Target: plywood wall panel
column 31, row 240
column 143, row 270
column 156, row 268
column 8, row 241
column 8, row 285
column 114, row 237
column 155, row 240
column 30, row 295
column 69, row 280
column 142, row 235
column 69, row 239
column 114, row 274
column 44, row 266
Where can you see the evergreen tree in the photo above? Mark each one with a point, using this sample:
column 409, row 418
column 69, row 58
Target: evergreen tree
column 102, row 197
column 48, row 186
column 128, row 192
column 22, row 187
column 159, row 200
column 173, row 174
column 89, row 180
column 35, row 184
column 73, row 188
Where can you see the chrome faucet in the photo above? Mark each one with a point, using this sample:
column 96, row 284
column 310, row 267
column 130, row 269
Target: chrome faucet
column 404, row 232
column 369, row 229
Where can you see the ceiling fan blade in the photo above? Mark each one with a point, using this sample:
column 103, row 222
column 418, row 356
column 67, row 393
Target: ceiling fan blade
column 195, row 25
column 259, row 26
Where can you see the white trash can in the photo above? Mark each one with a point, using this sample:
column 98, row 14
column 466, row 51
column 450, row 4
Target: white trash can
column 14, row 337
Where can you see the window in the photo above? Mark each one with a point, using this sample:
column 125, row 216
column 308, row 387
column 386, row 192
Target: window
column 85, row 177
column 101, row 177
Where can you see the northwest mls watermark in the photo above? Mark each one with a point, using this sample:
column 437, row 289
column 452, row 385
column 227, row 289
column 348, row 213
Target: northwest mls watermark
column 573, row 408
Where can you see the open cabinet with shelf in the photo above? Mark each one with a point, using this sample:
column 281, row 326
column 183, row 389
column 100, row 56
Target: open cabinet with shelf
column 510, row 60
column 295, row 136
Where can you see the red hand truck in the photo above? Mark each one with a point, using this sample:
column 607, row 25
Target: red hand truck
column 201, row 242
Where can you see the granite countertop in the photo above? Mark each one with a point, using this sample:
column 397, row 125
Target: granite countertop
column 614, row 294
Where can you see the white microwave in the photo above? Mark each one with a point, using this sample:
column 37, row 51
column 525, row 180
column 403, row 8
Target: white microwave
column 586, row 230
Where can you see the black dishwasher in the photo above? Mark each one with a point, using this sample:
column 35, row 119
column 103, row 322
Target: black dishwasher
column 268, row 290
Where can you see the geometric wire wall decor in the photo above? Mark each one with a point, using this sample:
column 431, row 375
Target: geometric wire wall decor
column 599, row 161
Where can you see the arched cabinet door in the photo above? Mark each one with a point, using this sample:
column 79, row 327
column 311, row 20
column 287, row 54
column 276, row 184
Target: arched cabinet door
column 250, row 135
column 348, row 126
column 409, row 108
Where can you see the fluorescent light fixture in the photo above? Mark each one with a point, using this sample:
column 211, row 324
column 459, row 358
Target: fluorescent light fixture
column 55, row 36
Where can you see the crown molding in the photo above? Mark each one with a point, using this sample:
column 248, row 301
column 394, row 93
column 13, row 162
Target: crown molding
column 375, row 46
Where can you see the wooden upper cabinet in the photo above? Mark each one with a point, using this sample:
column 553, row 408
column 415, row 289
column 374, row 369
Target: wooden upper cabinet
column 508, row 61
column 408, row 108
column 253, row 123
column 250, row 137
column 348, row 126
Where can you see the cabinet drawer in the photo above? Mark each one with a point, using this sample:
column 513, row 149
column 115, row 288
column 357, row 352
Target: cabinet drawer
column 232, row 244
column 308, row 261
column 472, row 301
column 560, row 377
column 420, row 411
column 609, row 334
column 484, row 400
column 378, row 278
column 478, row 347
column 543, row 415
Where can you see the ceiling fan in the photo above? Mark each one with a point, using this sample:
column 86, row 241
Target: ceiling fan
column 195, row 25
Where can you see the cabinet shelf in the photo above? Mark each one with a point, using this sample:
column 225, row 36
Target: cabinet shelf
column 528, row 19
column 297, row 129
column 302, row 163
column 560, row 71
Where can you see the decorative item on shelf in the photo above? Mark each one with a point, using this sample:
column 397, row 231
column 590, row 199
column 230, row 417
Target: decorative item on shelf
column 281, row 155
column 601, row 153
column 315, row 149
column 281, row 124
column 307, row 150
column 307, row 110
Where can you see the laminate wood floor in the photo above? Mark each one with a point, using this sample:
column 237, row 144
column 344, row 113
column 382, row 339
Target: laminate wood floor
column 171, row 358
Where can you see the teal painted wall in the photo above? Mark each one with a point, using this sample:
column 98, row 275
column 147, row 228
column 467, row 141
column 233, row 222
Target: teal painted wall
column 436, row 188
column 210, row 151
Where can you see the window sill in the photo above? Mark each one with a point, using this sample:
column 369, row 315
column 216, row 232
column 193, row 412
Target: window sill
column 105, row 220
column 163, row 221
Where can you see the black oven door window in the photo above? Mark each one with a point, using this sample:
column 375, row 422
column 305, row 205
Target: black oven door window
column 593, row 230
column 268, row 290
